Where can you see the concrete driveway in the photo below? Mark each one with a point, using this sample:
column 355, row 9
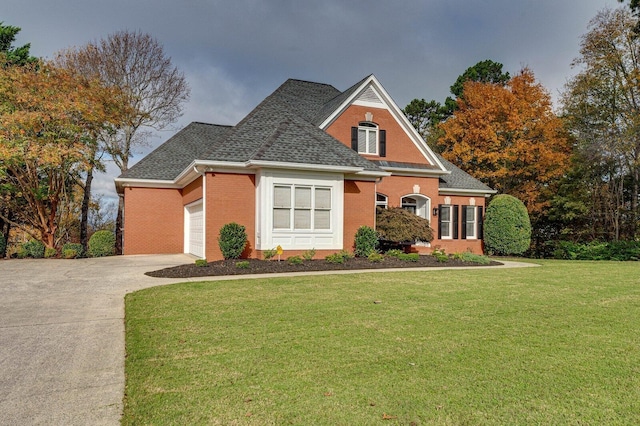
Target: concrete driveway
column 62, row 336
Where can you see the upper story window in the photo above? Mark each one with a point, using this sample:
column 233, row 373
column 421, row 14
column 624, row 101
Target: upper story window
column 367, row 138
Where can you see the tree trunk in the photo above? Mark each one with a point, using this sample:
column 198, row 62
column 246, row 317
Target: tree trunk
column 84, row 213
column 120, row 225
column 5, row 228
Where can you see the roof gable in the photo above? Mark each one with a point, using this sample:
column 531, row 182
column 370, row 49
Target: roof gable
column 369, row 92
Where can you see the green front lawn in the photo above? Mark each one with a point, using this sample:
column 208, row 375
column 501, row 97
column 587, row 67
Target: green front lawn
column 557, row 344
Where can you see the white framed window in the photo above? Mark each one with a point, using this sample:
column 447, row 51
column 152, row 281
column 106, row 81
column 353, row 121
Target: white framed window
column 382, row 201
column 446, row 222
column 417, row 204
column 367, row 138
column 301, row 207
column 470, row 219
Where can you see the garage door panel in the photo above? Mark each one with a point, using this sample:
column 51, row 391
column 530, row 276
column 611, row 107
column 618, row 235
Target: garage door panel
column 196, row 230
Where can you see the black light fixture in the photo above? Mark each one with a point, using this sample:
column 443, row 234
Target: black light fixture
column 435, row 211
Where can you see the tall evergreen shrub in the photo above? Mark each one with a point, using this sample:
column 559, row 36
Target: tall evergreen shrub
column 232, row 240
column 102, row 243
column 507, row 228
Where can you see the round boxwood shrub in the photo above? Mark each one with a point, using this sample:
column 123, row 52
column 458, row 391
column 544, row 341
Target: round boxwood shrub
column 102, row 243
column 366, row 241
column 76, row 247
column 232, row 240
column 507, row 229
column 33, row 248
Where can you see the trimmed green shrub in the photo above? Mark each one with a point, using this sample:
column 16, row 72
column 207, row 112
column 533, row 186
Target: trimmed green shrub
column 232, row 240
column 32, row 248
column 294, row 260
column 346, row 254
column 394, row 252
column 597, row 250
column 440, row 255
column 309, row 254
column 69, row 254
column 3, row 244
column 400, row 225
column 102, row 243
column 375, row 257
column 201, row 263
column 472, row 257
column 50, row 252
column 335, row 258
column 269, row 254
column 366, row 241
column 507, row 229
column 409, row 257
column 244, row 264
column 77, row 247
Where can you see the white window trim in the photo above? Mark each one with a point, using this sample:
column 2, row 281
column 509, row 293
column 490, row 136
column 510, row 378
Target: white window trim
column 450, row 236
column 293, row 207
column 384, row 204
column 298, row 239
column 425, row 208
column 369, row 128
column 474, row 221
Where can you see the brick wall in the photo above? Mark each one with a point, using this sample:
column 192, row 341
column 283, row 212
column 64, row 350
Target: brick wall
column 359, row 209
column 230, row 198
column 153, row 221
column 399, row 145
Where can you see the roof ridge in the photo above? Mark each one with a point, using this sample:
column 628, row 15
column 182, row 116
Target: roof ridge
column 282, row 126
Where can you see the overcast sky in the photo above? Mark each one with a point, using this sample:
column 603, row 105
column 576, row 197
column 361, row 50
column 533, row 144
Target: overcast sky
column 236, row 52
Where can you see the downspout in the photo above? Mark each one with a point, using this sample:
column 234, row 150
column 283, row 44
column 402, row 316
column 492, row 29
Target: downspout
column 204, row 209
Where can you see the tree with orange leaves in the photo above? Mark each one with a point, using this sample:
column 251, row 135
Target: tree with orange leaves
column 49, row 118
column 508, row 137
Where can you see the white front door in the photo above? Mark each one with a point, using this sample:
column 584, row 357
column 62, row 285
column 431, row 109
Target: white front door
column 195, row 230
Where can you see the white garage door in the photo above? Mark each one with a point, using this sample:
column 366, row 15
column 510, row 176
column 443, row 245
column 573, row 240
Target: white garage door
column 195, row 227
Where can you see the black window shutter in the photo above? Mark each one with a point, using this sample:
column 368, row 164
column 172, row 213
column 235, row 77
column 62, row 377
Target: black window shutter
column 439, row 221
column 383, row 143
column 480, row 223
column 455, row 221
column 354, row 139
column 464, row 222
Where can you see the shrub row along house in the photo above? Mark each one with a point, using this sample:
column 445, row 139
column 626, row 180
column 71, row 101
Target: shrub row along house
column 304, row 170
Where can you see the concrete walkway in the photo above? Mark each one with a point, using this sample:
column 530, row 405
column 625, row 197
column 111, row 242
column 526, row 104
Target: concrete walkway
column 62, row 335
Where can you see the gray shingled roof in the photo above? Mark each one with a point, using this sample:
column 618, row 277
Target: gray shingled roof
column 282, row 128
column 171, row 158
column 459, row 179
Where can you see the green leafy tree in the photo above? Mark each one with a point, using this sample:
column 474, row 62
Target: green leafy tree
column 13, row 55
column 507, row 229
column 601, row 105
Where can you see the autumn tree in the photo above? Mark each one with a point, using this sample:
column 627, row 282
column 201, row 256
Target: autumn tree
column 154, row 90
column 602, row 108
column 425, row 116
column 10, row 56
column 47, row 115
column 508, row 137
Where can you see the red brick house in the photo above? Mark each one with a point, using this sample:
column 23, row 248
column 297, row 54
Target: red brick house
column 304, row 170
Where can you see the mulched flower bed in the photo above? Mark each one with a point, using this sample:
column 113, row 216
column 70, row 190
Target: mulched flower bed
column 256, row 266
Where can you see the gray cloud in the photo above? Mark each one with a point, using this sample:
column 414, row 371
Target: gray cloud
column 236, row 52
